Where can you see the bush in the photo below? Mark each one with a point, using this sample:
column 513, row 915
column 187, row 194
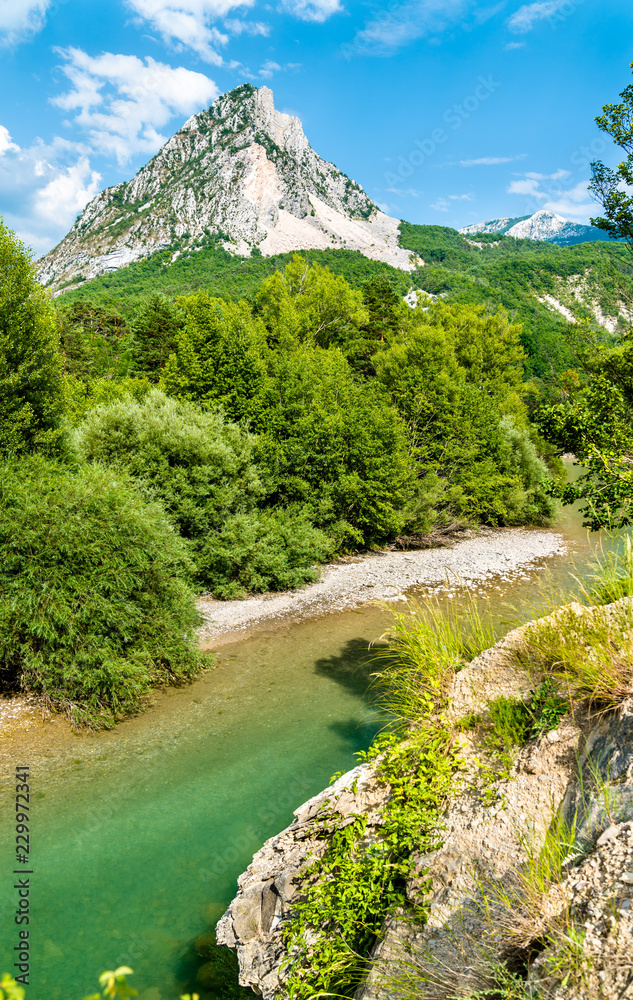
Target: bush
column 263, row 550
column 204, row 472
column 94, row 607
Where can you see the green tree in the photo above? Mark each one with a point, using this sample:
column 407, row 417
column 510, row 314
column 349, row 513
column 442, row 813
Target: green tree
column 219, row 356
column 613, row 187
column 336, row 446
column 454, row 373
column 592, row 420
column 205, row 472
column 385, row 309
column 592, row 416
column 31, row 365
column 308, row 303
column 95, row 607
column 96, row 340
column 156, row 325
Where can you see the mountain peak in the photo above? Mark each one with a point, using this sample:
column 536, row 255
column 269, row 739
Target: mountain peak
column 239, row 171
column 542, row 225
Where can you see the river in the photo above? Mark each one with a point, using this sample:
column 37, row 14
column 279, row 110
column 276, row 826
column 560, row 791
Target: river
column 139, row 834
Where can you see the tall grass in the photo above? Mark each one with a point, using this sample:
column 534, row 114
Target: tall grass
column 423, row 648
column 611, row 574
column 588, row 652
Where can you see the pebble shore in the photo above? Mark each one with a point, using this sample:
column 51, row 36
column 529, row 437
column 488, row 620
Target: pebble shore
column 473, row 561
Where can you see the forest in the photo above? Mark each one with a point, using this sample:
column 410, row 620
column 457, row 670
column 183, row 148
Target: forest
column 160, row 446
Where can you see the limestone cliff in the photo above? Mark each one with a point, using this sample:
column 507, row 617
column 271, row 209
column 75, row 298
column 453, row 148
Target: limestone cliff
column 582, row 772
column 241, row 171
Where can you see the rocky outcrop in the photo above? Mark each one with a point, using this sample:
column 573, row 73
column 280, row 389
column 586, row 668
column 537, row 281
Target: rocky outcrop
column 254, row 922
column 579, row 775
column 240, row 171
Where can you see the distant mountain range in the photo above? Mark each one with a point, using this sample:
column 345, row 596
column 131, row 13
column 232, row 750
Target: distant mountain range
column 543, row 225
column 242, row 176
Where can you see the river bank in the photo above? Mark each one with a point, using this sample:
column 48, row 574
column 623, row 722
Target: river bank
column 474, row 559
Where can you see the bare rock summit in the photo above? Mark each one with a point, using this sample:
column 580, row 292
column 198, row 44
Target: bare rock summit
column 240, row 172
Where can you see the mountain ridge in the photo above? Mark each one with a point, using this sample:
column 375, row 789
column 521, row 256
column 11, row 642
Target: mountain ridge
column 542, row 225
column 241, row 173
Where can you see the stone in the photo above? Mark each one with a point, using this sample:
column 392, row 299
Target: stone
column 610, row 833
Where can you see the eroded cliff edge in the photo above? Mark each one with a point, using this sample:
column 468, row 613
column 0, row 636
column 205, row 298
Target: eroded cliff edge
column 470, row 908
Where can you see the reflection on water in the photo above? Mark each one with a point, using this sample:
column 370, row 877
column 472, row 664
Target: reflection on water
column 139, row 834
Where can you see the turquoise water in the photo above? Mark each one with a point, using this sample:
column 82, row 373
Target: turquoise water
column 139, row 834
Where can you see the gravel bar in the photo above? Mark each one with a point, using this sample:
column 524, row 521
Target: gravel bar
column 477, row 559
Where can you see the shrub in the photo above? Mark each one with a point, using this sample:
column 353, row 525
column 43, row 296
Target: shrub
column 203, row 470
column 94, row 607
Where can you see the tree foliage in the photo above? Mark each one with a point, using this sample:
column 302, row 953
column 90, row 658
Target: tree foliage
column 205, row 473
column 94, row 607
column 31, row 380
column 96, row 341
column 592, row 420
column 612, row 186
column 455, row 376
column 155, row 327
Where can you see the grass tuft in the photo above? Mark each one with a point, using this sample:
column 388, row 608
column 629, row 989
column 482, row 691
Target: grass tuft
column 424, row 647
column 588, row 651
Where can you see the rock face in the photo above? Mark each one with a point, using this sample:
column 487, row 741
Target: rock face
column 241, row 171
column 491, row 829
column 253, row 923
column 543, row 225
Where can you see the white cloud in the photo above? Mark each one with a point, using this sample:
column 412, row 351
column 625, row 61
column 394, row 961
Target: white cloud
column 67, row 193
column 511, row 46
column 529, row 14
column 45, row 186
column 573, row 202
column 490, row 161
column 441, row 205
column 237, row 27
column 462, row 197
column 312, row 10
column 527, row 187
column 268, row 69
column 404, row 22
column 189, row 23
column 121, row 101
column 6, row 143
column 21, row 19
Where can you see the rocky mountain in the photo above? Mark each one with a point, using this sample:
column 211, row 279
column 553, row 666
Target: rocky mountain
column 493, row 226
column 543, row 225
column 240, row 172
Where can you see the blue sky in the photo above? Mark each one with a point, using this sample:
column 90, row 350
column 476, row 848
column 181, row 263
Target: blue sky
column 446, row 111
